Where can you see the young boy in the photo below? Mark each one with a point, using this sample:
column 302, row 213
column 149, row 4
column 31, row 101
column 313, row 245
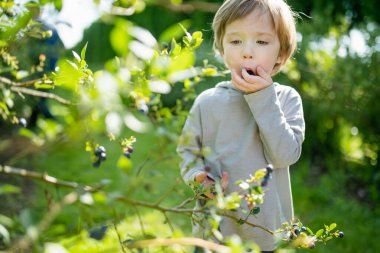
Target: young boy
column 250, row 121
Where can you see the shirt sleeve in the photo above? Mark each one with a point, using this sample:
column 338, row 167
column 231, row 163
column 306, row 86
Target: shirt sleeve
column 188, row 147
column 281, row 124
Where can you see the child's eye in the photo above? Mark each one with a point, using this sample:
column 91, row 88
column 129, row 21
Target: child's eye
column 235, row 42
column 261, row 42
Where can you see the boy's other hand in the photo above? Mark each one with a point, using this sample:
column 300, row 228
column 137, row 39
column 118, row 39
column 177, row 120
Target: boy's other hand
column 248, row 83
column 202, row 178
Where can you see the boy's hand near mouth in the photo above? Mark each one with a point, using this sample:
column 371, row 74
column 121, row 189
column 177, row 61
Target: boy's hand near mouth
column 250, row 81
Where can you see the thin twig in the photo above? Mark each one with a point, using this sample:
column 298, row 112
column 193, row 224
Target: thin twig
column 187, row 201
column 182, row 241
column 119, row 238
column 37, row 93
column 44, row 177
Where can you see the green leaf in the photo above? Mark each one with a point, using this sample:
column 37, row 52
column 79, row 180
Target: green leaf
column 332, row 226
column 8, row 189
column 76, row 56
column 83, row 52
column 174, row 31
column 175, row 48
column 319, row 233
column 124, row 164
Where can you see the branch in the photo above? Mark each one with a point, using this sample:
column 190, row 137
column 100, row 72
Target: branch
column 37, row 93
column 177, row 210
column 9, row 82
column 45, row 178
column 183, row 241
column 52, row 180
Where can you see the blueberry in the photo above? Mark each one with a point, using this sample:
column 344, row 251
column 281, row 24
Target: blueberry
column 264, row 182
column 98, row 233
column 103, row 156
column 341, row 234
column 269, row 169
column 99, row 150
column 255, row 210
column 97, row 163
column 127, row 154
column 297, row 232
column 130, row 150
column 303, row 229
column 143, row 108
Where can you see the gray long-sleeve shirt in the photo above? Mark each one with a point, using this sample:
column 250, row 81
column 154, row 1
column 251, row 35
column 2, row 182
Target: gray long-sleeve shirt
column 245, row 132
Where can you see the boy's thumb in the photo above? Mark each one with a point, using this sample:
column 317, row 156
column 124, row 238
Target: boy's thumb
column 200, row 177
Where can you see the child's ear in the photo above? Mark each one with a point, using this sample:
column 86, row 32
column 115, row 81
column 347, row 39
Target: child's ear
column 278, row 64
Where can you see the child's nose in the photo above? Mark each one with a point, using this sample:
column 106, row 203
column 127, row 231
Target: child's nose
column 247, row 53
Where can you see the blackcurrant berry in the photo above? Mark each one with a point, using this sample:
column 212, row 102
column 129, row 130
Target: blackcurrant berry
column 341, row 234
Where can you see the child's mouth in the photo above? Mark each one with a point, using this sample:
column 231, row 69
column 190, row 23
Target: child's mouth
column 250, row 72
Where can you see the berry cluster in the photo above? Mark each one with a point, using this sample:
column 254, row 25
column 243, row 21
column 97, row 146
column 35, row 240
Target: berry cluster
column 100, row 154
column 268, row 175
column 302, row 237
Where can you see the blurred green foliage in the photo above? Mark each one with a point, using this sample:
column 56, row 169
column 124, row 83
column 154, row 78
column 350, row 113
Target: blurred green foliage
column 336, row 180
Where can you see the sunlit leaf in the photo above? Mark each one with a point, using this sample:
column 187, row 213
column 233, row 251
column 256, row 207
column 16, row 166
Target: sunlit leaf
column 125, row 164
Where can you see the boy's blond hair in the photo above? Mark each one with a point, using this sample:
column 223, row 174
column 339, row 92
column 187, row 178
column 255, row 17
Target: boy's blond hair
column 282, row 16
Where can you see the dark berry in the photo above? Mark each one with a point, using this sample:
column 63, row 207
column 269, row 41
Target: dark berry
column 143, row 108
column 207, row 168
column 22, row 122
column 297, row 232
column 130, row 150
column 264, row 182
column 99, row 150
column 269, row 168
column 103, row 156
column 97, row 163
column 127, row 154
column 255, row 210
column 341, row 234
column 295, row 225
column 303, row 229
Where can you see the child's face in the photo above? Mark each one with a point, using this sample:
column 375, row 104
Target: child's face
column 250, row 42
